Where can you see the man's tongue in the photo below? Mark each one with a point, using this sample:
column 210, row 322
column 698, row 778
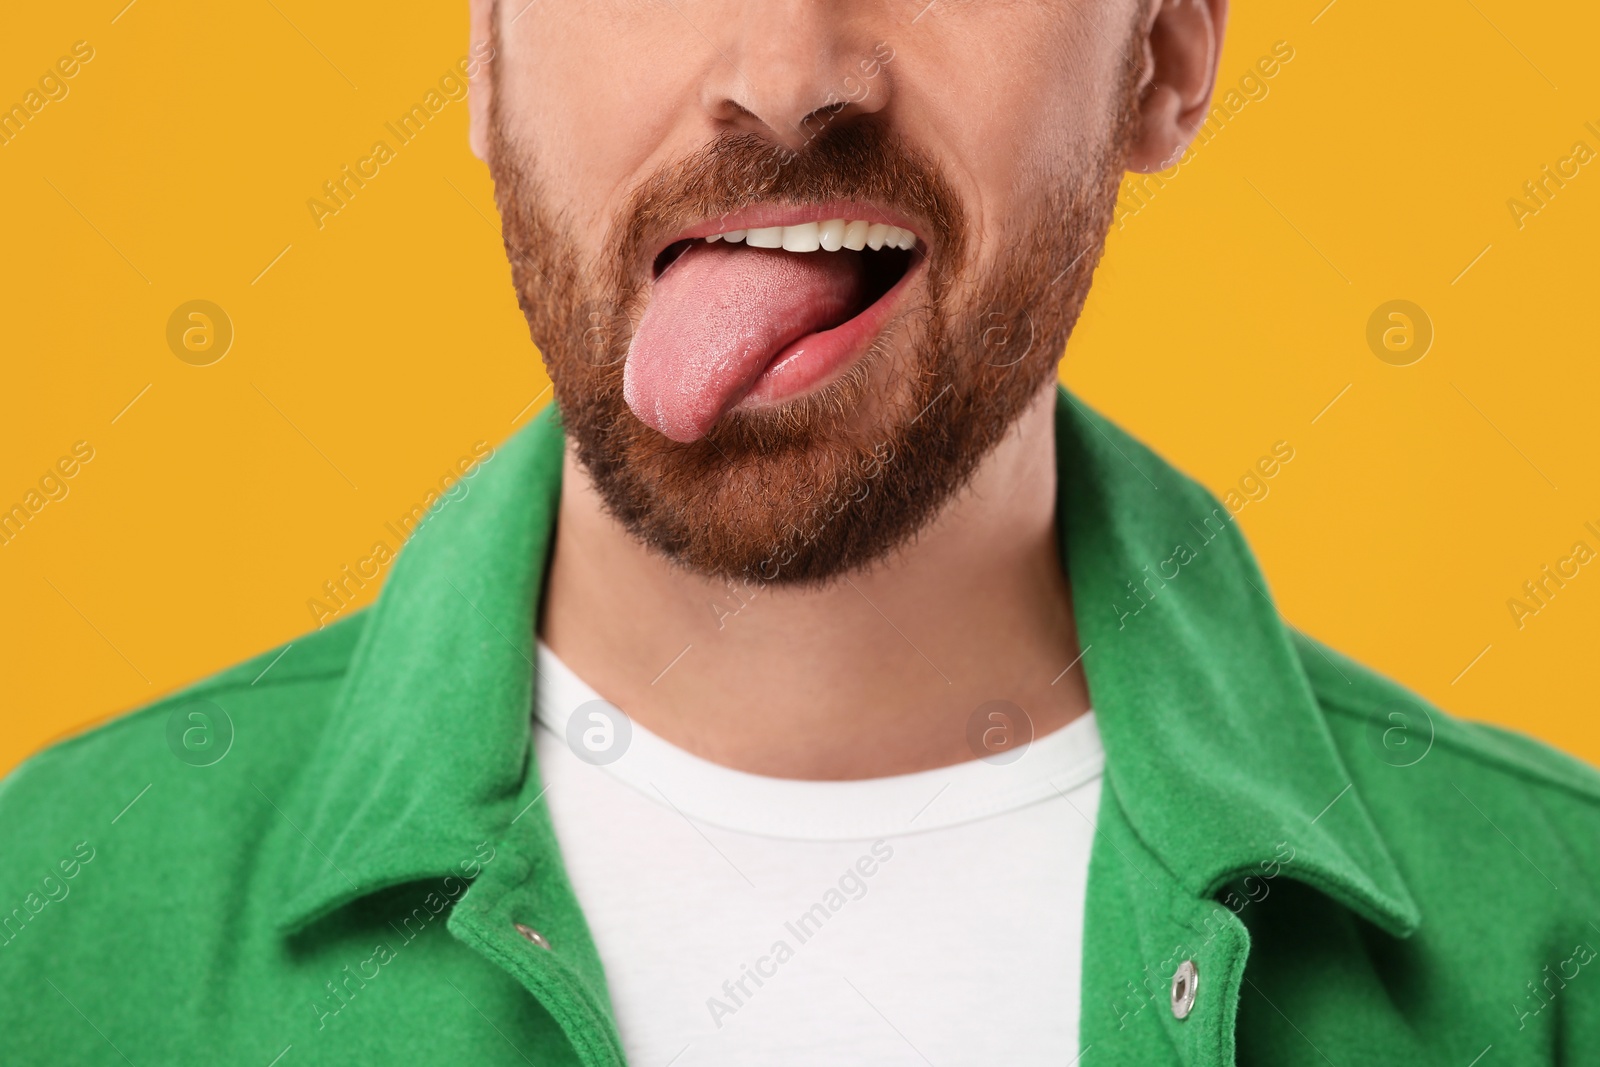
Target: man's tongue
column 717, row 317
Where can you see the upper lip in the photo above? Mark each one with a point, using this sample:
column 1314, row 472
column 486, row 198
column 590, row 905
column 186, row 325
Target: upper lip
column 758, row 216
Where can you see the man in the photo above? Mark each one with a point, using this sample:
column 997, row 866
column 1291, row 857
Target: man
column 814, row 681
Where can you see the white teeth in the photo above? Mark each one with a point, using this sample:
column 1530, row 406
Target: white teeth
column 765, row 237
column 805, row 237
column 831, row 234
column 828, row 236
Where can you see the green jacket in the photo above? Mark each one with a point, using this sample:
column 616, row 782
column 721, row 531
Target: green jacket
column 336, row 852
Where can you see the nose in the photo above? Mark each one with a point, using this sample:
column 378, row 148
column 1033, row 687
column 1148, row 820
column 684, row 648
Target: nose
column 794, row 68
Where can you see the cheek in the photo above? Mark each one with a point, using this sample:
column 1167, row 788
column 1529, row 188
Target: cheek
column 1011, row 103
column 593, row 113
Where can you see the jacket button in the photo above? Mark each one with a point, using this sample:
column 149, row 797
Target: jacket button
column 538, row 939
column 1184, row 985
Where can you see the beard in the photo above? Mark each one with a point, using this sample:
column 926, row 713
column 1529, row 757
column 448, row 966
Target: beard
column 838, row 480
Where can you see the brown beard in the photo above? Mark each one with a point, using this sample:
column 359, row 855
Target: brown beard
column 832, row 483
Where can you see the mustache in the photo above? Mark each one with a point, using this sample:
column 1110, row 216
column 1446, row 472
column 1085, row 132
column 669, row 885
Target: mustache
column 863, row 160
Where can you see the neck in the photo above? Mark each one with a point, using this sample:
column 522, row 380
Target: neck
column 876, row 674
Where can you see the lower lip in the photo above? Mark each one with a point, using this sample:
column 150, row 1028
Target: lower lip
column 819, row 358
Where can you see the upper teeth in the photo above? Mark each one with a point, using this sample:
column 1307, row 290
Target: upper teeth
column 829, row 236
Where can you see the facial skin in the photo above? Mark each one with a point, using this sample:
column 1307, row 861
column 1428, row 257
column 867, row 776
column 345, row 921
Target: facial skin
column 997, row 130
column 929, row 115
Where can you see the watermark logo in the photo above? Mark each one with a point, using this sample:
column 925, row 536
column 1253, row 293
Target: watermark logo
column 340, row 191
column 1541, row 589
column 1007, row 341
column 53, row 485
column 1540, row 190
column 1403, row 736
column 1399, row 333
column 200, row 734
column 852, row 884
column 199, row 332
column 1139, row 190
column 999, row 732
column 441, row 895
column 1552, row 980
column 599, row 732
column 52, row 86
column 607, row 333
column 51, row 889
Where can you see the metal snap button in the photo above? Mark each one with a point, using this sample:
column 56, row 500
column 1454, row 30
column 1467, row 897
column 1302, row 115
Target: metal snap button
column 1185, row 983
column 538, row 939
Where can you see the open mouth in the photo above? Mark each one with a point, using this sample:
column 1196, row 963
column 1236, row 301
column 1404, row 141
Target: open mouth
column 758, row 315
column 885, row 252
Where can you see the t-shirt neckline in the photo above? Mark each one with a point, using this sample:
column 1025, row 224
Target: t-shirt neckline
column 1057, row 764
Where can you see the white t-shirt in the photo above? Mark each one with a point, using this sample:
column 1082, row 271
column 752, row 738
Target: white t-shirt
column 930, row 917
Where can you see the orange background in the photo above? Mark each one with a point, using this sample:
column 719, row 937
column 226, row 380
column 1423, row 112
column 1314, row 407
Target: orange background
column 369, row 355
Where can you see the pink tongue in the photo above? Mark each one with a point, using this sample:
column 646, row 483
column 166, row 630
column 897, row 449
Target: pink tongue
column 717, row 317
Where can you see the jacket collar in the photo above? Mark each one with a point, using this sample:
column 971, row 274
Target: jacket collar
column 1216, row 749
column 428, row 750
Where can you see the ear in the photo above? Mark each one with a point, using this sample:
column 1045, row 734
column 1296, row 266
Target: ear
column 1182, row 40
column 482, row 86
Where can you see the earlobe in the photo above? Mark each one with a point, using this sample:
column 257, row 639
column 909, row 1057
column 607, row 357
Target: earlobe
column 1183, row 39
